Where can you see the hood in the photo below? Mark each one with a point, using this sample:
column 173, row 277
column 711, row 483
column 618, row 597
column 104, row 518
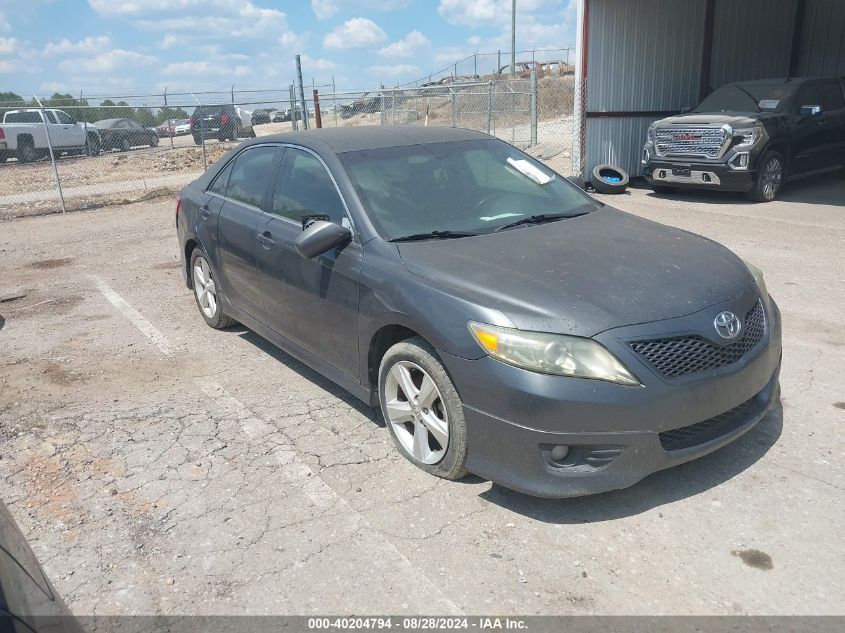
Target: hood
column 583, row 275
column 735, row 119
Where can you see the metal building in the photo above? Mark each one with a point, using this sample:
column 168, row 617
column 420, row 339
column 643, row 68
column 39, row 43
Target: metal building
column 642, row 60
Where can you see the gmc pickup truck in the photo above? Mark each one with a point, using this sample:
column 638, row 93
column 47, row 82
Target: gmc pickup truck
column 24, row 136
column 750, row 136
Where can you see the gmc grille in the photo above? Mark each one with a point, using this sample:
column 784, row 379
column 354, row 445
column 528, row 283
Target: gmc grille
column 684, row 140
column 684, row 355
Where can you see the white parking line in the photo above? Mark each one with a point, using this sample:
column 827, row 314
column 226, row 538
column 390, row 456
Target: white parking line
column 135, row 317
column 317, row 490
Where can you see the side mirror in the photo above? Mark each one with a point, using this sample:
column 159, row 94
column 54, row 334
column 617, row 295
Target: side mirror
column 319, row 237
column 811, row 110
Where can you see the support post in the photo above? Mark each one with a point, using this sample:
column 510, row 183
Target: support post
column 52, row 155
column 301, row 93
column 513, row 37
column 317, row 119
column 454, row 106
column 489, row 107
column 169, row 120
column 202, row 131
column 533, row 106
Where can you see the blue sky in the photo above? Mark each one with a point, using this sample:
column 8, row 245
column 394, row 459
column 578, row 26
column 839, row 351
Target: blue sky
column 131, row 46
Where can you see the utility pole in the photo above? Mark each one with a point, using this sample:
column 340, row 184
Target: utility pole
column 513, row 37
column 302, row 93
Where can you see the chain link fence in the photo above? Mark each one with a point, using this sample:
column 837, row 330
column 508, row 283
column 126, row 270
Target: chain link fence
column 68, row 153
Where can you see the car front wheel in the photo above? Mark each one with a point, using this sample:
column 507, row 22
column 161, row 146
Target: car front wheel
column 206, row 292
column 422, row 409
column 770, row 178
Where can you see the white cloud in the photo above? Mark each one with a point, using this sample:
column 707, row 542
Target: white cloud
column 355, row 33
column 8, row 45
column 7, row 66
column 243, row 71
column 310, row 64
column 87, row 46
column 134, row 7
column 189, row 68
column 108, row 62
column 324, row 9
column 405, row 47
column 54, row 86
column 395, row 70
column 168, row 41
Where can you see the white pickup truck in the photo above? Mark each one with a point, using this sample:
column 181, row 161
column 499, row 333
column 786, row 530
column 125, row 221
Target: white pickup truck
column 23, row 135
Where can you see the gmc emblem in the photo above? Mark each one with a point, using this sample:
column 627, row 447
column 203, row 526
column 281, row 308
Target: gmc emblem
column 686, row 136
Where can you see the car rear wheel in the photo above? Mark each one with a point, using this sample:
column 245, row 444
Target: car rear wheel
column 125, row 145
column 422, row 409
column 93, row 147
column 27, row 152
column 153, row 141
column 206, row 291
column 197, row 139
column 770, row 178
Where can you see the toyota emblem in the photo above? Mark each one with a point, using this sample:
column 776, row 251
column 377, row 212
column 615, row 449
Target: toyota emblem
column 727, row 325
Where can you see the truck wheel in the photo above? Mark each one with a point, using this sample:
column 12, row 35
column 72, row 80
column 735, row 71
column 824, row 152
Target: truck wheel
column 153, row 141
column 93, row 148
column 125, row 145
column 609, row 179
column 197, row 139
column 26, row 151
column 769, row 178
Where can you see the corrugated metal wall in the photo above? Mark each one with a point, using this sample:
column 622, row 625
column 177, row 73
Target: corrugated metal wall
column 751, row 40
column 823, row 39
column 643, row 56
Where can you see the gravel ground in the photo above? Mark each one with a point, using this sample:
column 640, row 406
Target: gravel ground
column 190, row 471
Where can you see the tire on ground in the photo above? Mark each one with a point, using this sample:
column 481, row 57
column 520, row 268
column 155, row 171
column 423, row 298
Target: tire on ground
column 418, row 351
column 756, row 192
column 609, row 179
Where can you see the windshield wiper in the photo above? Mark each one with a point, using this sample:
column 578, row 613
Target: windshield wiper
column 750, row 97
column 540, row 218
column 433, row 235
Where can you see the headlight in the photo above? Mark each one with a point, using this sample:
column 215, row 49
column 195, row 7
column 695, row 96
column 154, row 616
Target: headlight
column 748, row 135
column 651, row 129
column 760, row 281
column 556, row 354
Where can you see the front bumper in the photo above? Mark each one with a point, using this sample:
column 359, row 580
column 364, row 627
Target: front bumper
column 703, row 175
column 617, row 435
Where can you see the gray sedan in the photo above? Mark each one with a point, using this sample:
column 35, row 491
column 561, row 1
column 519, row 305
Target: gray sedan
column 506, row 323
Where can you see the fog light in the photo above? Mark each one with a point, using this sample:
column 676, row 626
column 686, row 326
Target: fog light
column 662, row 174
column 559, row 453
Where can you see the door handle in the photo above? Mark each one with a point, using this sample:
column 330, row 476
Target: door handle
column 266, row 239
column 204, row 212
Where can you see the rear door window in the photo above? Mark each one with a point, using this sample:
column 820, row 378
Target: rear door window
column 809, row 95
column 22, row 117
column 250, row 175
column 219, row 184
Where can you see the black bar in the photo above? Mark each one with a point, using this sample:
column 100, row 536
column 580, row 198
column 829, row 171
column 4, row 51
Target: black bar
column 795, row 47
column 704, row 87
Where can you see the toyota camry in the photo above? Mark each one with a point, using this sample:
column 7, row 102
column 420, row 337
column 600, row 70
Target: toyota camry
column 506, row 323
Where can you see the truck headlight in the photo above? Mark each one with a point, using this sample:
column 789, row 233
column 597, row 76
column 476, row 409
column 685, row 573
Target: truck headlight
column 760, row 280
column 556, row 354
column 748, row 135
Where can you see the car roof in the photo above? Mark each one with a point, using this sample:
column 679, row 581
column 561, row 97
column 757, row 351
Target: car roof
column 352, row 139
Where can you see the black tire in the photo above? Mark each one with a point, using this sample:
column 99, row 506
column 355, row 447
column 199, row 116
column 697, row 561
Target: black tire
column 197, row 139
column 153, row 141
column 93, row 148
column 219, row 320
column 664, row 189
column 27, row 152
column 416, row 350
column 761, row 192
column 125, row 145
column 601, row 174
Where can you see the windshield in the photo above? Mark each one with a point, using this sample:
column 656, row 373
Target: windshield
column 460, row 187
column 748, row 98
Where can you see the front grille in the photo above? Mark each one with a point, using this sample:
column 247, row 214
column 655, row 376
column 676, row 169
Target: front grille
column 684, row 355
column 701, row 432
column 689, row 140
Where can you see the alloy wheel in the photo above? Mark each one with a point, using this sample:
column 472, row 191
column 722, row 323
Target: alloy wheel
column 415, row 409
column 205, row 288
column 772, row 177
